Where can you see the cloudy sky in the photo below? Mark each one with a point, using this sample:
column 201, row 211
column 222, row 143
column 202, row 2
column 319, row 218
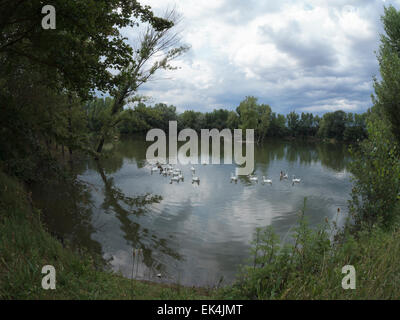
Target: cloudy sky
column 315, row 55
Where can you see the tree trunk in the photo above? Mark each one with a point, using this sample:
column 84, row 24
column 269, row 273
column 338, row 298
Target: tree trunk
column 47, row 146
column 100, row 146
column 70, row 134
column 118, row 104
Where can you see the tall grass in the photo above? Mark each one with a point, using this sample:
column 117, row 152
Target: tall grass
column 310, row 267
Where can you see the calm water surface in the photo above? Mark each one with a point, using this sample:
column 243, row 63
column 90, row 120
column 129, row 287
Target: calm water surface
column 193, row 234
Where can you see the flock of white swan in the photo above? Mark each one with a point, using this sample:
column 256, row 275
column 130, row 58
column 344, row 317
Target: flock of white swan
column 176, row 175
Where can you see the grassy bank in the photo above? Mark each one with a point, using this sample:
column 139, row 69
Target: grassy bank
column 26, row 246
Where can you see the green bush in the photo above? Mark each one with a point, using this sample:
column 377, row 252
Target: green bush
column 376, row 176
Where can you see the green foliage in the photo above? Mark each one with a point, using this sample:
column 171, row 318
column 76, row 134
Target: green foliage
column 167, row 113
column 254, row 116
column 249, row 114
column 233, row 120
column 191, row 119
column 217, row 119
column 98, row 110
column 34, row 120
column 46, row 75
column 305, row 125
column 293, row 122
column 333, row 125
column 264, row 119
column 87, row 40
column 342, row 127
column 247, row 111
column 157, row 48
column 308, row 124
column 277, row 127
column 356, row 128
column 387, row 91
column 376, row 170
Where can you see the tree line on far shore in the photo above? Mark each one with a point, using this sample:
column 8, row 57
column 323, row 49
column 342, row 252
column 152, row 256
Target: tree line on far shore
column 337, row 125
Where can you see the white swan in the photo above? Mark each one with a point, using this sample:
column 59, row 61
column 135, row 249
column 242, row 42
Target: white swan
column 296, row 180
column 154, row 169
column 174, row 179
column 234, row 177
column 195, row 179
column 253, row 178
column 266, row 180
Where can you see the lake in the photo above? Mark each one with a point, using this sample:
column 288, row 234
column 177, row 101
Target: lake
column 194, row 234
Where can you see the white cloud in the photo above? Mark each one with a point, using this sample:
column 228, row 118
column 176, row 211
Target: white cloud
column 333, row 105
column 315, row 55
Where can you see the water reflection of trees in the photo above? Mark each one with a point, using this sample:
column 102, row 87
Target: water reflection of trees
column 67, row 209
column 125, row 208
column 129, row 148
column 333, row 156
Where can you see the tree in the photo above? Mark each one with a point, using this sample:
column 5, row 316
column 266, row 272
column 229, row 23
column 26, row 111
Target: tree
column 157, row 48
column 306, row 125
column 247, row 111
column 254, row 116
column 216, row 119
column 293, row 123
column 167, row 113
column 376, row 166
column 387, row 91
column 355, row 128
column 277, row 126
column 191, row 119
column 45, row 73
column 86, row 43
column 332, row 125
column 233, row 120
column 376, row 171
column 264, row 120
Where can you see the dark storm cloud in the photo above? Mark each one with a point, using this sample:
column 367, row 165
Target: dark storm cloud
column 309, row 54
